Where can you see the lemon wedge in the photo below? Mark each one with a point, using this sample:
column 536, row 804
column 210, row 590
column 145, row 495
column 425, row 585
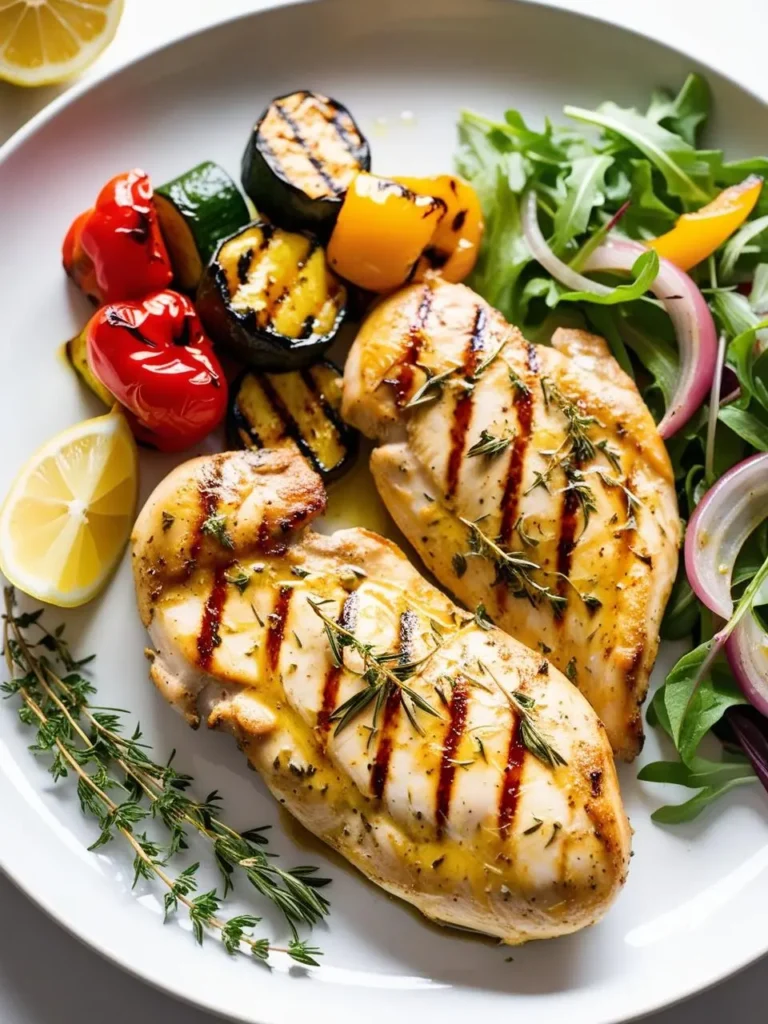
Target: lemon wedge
column 46, row 41
column 68, row 515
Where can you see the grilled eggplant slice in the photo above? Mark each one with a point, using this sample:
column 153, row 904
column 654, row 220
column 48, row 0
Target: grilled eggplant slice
column 269, row 298
column 302, row 155
column 195, row 211
column 76, row 351
column 268, row 409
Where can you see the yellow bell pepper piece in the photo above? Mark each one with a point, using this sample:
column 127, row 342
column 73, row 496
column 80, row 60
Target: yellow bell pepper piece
column 455, row 244
column 382, row 230
column 697, row 235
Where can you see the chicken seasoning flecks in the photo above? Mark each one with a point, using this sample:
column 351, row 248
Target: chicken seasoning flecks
column 391, row 714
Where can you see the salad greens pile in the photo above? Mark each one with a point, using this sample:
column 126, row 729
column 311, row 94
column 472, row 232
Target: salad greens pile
column 633, row 174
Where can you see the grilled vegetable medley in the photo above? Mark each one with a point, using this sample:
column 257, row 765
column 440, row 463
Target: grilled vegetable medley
column 272, row 275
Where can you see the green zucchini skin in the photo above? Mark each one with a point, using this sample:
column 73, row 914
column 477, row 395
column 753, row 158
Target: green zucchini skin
column 285, row 332
column 195, row 211
column 329, row 161
column 304, row 406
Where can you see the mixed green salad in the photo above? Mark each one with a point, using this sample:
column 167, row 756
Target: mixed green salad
column 614, row 193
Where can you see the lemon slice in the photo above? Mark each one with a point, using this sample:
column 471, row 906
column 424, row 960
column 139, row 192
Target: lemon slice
column 45, row 41
column 69, row 513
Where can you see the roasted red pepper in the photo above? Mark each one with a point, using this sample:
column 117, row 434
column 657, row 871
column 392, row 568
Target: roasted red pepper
column 115, row 251
column 157, row 361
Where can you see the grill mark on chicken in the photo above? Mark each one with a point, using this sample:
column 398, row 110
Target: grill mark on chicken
column 208, row 638
column 510, row 787
column 457, row 713
column 533, row 358
column 208, row 490
column 391, row 714
column 403, row 379
column 462, row 410
column 566, row 543
column 347, row 620
column 510, row 502
column 276, row 627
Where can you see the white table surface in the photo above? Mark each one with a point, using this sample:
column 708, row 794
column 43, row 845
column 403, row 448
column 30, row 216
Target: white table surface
column 46, row 976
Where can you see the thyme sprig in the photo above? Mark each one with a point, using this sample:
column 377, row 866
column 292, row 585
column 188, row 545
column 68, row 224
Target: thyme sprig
column 532, row 737
column 577, row 423
column 384, row 673
column 216, row 526
column 513, row 569
column 488, row 444
column 87, row 742
column 431, row 389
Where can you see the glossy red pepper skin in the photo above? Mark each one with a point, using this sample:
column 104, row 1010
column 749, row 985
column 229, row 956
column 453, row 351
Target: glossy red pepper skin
column 115, row 251
column 158, row 362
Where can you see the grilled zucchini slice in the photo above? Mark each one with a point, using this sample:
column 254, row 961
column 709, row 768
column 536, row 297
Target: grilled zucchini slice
column 269, row 298
column 270, row 409
column 76, row 351
column 195, row 211
column 303, row 153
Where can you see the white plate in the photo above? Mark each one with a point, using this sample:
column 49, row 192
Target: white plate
column 693, row 910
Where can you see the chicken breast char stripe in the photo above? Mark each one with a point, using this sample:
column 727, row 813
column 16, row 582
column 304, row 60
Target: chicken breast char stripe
column 499, row 812
column 529, row 478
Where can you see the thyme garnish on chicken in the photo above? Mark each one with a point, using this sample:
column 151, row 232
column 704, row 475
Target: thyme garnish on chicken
column 120, row 785
column 384, row 673
column 532, row 737
column 488, row 444
column 512, row 569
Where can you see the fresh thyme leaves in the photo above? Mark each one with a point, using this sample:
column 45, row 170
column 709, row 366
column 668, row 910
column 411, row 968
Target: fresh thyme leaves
column 238, row 577
column 570, row 670
column 533, row 739
column 578, row 486
column 487, row 362
column 87, row 743
column 522, row 389
column 430, row 389
column 488, row 445
column 578, row 424
column 216, row 526
column 537, row 823
column 384, row 673
column 610, row 453
column 512, row 569
column 556, row 826
column 168, row 520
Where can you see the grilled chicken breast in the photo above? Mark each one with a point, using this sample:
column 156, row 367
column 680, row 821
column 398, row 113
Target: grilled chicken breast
column 499, row 812
column 529, row 478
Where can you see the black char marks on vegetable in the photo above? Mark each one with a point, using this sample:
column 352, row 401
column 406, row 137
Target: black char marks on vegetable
column 457, row 717
column 510, row 501
column 208, row 639
column 317, row 164
column 513, row 770
column 402, row 381
column 347, row 620
column 391, row 714
column 276, row 626
column 115, row 319
column 462, row 410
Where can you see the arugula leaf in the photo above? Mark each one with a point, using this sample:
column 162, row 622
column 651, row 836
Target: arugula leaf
column 603, row 319
column 733, row 312
column 742, row 357
column 682, row 611
column 663, row 148
column 697, row 774
column 713, row 697
column 758, row 297
column 682, row 682
column 678, row 814
column 641, row 332
column 505, row 253
column 584, row 191
column 747, row 425
column 644, row 271
column 738, row 245
column 648, row 215
column 685, row 113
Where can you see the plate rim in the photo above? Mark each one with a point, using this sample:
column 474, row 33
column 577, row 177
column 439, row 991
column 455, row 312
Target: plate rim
column 49, row 113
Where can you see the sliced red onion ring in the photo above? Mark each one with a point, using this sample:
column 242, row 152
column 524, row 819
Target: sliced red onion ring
column 686, row 306
column 724, row 518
